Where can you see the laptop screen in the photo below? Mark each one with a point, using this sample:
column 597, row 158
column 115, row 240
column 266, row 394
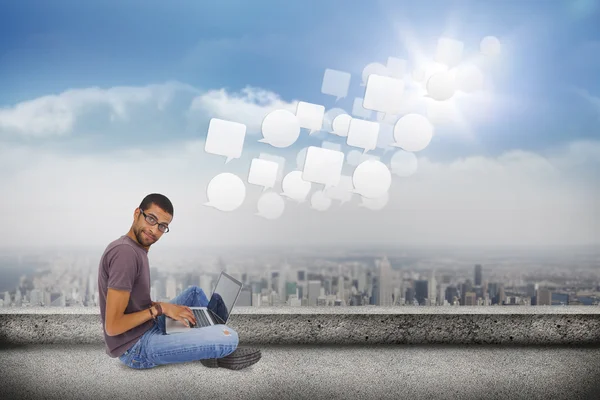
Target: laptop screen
column 224, row 297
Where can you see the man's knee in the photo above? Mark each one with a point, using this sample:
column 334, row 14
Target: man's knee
column 230, row 334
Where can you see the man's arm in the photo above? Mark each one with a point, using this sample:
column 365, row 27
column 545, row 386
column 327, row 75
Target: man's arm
column 117, row 322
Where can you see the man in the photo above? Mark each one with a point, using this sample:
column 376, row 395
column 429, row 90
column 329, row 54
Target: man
column 134, row 325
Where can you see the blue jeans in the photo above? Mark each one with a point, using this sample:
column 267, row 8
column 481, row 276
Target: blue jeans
column 155, row 347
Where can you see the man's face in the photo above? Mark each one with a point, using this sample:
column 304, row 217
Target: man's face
column 142, row 228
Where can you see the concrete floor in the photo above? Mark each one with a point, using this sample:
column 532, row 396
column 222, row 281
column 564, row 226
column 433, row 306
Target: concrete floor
column 310, row 372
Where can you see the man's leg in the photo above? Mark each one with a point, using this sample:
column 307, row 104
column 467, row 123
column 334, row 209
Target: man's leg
column 193, row 296
column 195, row 344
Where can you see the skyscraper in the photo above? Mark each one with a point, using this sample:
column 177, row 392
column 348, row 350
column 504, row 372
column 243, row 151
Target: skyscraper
column 421, row 291
column 314, row 291
column 544, row 297
column 385, row 283
column 477, row 274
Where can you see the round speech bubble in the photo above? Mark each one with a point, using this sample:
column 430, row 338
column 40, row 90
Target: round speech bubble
column 341, row 125
column 413, row 132
column 329, row 116
column 319, row 201
column 225, row 192
column 270, row 206
column 371, row 179
column 294, row 187
column 280, row 128
column 373, row 68
column 441, row 86
column 375, row 204
column 404, row 163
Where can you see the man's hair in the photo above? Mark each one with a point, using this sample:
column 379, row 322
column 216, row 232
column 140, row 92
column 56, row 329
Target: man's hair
column 157, row 199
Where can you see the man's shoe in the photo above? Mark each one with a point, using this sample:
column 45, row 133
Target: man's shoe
column 242, row 357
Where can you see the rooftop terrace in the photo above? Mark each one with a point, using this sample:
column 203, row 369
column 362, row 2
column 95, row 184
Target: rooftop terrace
column 329, row 352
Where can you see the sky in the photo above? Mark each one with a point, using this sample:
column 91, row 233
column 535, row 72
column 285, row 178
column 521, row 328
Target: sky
column 104, row 102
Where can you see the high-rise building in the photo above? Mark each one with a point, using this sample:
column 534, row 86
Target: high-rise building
column 470, row 299
column 421, row 294
column 410, row 295
column 451, row 293
column 501, row 294
column 477, row 274
column 544, row 297
column 432, row 292
column 314, row 291
column 386, row 288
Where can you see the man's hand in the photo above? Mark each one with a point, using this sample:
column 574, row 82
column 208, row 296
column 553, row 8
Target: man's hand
column 179, row 313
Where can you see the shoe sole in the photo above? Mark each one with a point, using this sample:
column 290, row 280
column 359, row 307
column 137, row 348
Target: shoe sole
column 239, row 359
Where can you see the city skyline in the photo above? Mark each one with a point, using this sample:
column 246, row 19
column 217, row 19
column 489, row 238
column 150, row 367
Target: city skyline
column 398, row 280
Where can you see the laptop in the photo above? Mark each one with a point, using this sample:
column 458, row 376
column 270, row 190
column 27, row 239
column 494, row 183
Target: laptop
column 224, row 297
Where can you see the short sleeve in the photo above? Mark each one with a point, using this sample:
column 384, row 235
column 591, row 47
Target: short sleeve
column 123, row 268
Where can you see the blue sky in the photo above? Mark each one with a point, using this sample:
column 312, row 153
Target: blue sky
column 49, row 47
column 103, row 60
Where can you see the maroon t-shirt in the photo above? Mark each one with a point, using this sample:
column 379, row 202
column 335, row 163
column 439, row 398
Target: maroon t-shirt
column 124, row 265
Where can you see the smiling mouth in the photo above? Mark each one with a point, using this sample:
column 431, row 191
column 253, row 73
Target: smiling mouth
column 148, row 236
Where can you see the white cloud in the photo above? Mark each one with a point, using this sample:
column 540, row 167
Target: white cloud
column 56, row 115
column 77, row 199
column 518, row 198
column 249, row 107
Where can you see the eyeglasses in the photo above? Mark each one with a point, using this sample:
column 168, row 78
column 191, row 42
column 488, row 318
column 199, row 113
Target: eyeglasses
column 152, row 221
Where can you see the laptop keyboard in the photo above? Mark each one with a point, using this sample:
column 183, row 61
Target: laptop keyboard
column 201, row 319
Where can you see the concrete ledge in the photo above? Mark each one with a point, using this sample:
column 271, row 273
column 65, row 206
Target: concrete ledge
column 556, row 325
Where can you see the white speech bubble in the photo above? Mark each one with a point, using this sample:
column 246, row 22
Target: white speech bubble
column 279, row 160
column 490, row 46
column 469, row 78
column 359, row 111
column 310, row 116
column 383, row 94
column 294, row 187
column 331, row 146
column 335, row 83
column 301, row 158
column 319, row 201
column 280, row 128
column 396, row 67
column 343, row 191
column 449, row 51
column 375, row 204
column 413, row 132
column 225, row 192
column 270, row 206
column 329, row 116
column 441, row 86
column 341, row 124
column 404, row 163
column 225, row 138
column 263, row 173
column 425, row 70
column 372, row 179
column 323, row 166
column 363, row 134
column 373, row 68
